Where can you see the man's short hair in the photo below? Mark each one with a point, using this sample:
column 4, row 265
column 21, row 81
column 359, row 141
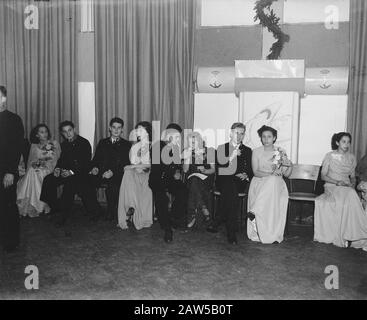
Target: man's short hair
column 3, row 91
column 239, row 125
column 116, row 120
column 174, row 126
column 65, row 124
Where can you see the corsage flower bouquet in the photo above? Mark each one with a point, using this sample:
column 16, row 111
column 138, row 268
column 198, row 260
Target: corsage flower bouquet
column 48, row 153
column 279, row 159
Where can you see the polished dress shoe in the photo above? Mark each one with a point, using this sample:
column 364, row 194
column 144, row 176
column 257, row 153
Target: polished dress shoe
column 232, row 239
column 10, row 249
column 251, row 216
column 168, row 236
column 212, row 229
column 94, row 217
column 60, row 222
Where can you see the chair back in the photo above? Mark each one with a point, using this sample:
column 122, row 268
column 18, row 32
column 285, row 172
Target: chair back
column 305, row 172
column 304, row 178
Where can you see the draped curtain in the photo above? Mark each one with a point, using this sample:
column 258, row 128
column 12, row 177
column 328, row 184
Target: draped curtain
column 144, row 61
column 357, row 103
column 38, row 65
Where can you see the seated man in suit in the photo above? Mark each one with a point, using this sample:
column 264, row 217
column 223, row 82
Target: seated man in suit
column 165, row 175
column 71, row 171
column 112, row 155
column 234, row 175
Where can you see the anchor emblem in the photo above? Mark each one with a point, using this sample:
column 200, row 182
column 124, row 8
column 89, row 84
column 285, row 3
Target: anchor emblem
column 325, row 85
column 215, row 83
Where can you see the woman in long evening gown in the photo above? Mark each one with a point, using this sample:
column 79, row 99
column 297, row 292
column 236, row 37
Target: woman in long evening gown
column 42, row 160
column 135, row 201
column 268, row 194
column 199, row 167
column 339, row 215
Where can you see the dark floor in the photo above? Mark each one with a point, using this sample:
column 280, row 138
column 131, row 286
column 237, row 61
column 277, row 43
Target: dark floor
column 100, row 261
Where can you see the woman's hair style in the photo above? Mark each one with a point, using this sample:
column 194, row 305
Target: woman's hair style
column 267, row 128
column 3, row 91
column 147, row 126
column 33, row 136
column 174, row 126
column 196, row 135
column 337, row 137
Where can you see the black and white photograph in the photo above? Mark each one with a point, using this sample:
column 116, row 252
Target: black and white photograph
column 183, row 155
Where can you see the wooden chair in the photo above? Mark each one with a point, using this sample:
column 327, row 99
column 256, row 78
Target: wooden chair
column 299, row 190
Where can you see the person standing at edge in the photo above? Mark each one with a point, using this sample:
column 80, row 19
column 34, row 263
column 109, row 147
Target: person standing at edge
column 11, row 144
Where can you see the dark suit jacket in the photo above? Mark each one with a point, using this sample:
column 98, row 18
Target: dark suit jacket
column 11, row 142
column 76, row 156
column 161, row 172
column 112, row 157
column 240, row 164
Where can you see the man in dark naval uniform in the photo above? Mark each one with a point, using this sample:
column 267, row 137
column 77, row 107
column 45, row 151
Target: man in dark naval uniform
column 72, row 172
column 11, row 144
column 166, row 176
column 234, row 176
column 112, row 155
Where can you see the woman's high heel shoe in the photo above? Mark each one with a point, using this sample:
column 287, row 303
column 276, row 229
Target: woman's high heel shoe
column 192, row 221
column 129, row 220
column 206, row 214
column 250, row 215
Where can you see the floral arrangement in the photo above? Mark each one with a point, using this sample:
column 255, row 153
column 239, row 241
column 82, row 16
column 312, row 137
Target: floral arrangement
column 279, row 158
column 48, row 152
column 271, row 22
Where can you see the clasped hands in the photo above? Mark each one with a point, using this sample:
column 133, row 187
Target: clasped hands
column 242, row 176
column 8, row 180
column 63, row 173
column 107, row 175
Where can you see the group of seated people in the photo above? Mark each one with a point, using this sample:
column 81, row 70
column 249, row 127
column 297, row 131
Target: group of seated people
column 176, row 177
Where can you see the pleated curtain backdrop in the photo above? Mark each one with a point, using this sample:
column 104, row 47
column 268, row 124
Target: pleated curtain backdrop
column 38, row 65
column 357, row 94
column 144, row 62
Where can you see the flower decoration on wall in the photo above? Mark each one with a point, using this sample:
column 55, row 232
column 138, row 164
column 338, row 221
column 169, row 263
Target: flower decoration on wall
column 271, row 22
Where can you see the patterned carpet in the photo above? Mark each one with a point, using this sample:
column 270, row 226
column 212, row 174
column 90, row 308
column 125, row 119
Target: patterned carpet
column 100, row 261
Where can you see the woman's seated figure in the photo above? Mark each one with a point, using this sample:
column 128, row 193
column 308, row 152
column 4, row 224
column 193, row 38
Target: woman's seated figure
column 42, row 159
column 361, row 172
column 339, row 215
column 135, row 200
column 268, row 193
column 199, row 168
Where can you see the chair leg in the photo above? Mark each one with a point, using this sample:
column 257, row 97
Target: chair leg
column 245, row 211
column 153, row 206
column 288, row 218
column 213, row 206
column 216, row 205
column 241, row 215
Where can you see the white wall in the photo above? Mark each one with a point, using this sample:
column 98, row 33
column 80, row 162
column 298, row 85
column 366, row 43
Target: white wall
column 227, row 12
column 87, row 110
column 321, row 117
column 241, row 12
